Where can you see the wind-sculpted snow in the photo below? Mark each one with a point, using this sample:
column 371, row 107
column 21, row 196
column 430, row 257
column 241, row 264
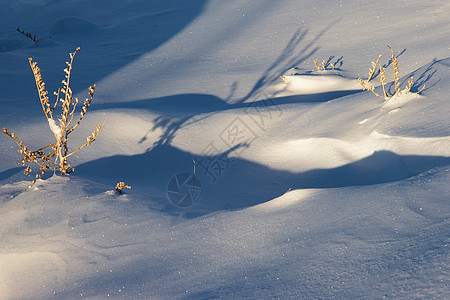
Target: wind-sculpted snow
column 253, row 173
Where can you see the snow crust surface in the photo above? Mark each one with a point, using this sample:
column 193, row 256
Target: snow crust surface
column 304, row 188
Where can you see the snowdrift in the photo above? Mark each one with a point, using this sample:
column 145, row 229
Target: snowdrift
column 300, row 187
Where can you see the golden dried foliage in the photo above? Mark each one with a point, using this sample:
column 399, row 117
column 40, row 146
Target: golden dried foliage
column 383, row 81
column 120, row 186
column 396, row 72
column 366, row 86
column 285, row 80
column 374, row 67
column 410, row 85
column 59, row 151
column 317, row 66
column 323, row 65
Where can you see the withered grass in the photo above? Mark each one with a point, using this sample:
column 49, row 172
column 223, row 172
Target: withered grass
column 55, row 156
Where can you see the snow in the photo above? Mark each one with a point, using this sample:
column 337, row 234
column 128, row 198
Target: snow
column 55, row 128
column 310, row 189
column 310, row 84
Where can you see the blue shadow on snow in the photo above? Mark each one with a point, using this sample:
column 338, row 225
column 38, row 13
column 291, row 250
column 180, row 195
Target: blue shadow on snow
column 241, row 183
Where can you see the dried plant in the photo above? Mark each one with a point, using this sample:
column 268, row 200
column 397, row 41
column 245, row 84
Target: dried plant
column 285, row 80
column 317, row 66
column 383, row 80
column 323, row 65
column 27, row 34
column 367, row 86
column 410, row 85
column 121, row 185
column 326, row 64
column 59, row 151
column 396, row 72
column 374, row 67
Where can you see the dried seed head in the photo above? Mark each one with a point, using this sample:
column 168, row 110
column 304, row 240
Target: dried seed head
column 121, row 185
column 315, row 64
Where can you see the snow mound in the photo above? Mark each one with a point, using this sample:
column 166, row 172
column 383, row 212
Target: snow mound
column 303, row 154
column 72, row 25
column 7, row 45
column 310, row 188
column 313, row 84
column 397, row 101
column 31, row 274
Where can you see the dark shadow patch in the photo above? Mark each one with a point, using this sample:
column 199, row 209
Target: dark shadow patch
column 10, row 172
column 240, row 183
column 288, row 58
column 313, row 98
column 175, row 105
column 7, row 45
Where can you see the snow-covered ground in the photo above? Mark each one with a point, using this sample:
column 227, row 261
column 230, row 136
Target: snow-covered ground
column 304, row 188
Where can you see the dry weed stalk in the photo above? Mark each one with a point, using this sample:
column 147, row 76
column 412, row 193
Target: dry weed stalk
column 285, row 80
column 367, row 86
column 374, row 67
column 27, row 34
column 323, row 64
column 410, row 85
column 121, row 185
column 317, row 66
column 59, row 150
column 383, row 80
column 396, row 72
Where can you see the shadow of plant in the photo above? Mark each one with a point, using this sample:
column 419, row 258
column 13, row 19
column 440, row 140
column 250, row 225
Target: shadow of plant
column 290, row 57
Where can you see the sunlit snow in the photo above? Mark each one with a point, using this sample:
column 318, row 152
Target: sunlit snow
column 253, row 174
